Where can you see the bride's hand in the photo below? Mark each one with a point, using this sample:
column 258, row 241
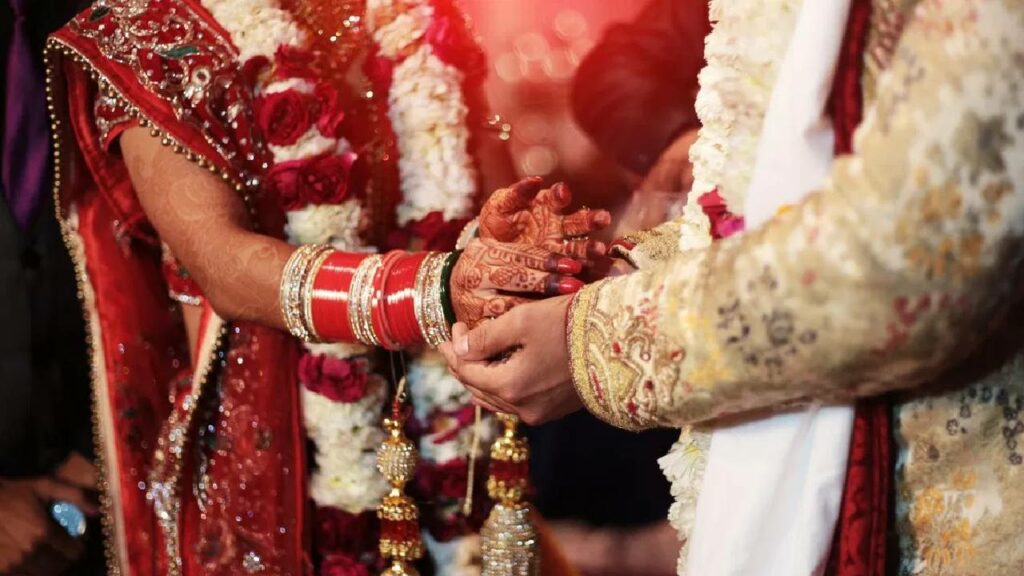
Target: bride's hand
column 523, row 251
column 524, row 213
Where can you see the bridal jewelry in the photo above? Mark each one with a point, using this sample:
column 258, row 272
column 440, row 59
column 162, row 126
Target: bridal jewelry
column 509, row 536
column 400, row 540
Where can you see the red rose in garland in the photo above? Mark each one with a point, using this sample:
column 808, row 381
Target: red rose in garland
column 336, row 379
column 285, row 116
column 320, row 180
column 330, row 112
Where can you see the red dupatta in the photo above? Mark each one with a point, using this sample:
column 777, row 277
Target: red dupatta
column 859, row 548
column 235, row 504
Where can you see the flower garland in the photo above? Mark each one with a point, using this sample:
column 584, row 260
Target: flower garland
column 427, row 106
column 303, row 123
column 743, row 51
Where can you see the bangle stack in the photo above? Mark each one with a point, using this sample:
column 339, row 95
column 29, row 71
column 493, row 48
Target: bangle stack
column 295, row 289
column 395, row 300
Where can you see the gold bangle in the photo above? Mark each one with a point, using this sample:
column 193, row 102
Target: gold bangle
column 360, row 300
column 427, row 301
column 293, row 279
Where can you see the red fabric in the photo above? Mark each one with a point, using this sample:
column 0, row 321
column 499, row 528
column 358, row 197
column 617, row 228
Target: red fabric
column 859, row 548
column 255, row 462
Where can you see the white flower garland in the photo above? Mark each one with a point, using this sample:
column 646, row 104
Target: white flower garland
column 256, row 27
column 429, row 115
column 743, row 51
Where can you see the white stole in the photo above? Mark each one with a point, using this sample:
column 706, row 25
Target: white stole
column 772, row 487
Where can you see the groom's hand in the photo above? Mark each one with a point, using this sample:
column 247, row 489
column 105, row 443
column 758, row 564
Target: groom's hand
column 518, row 363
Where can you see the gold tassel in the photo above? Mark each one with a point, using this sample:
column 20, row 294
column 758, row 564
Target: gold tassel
column 400, row 541
column 509, row 538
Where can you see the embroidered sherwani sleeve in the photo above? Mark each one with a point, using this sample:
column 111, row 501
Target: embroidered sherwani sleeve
column 895, row 270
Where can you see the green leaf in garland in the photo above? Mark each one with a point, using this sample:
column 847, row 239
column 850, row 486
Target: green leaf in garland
column 180, row 51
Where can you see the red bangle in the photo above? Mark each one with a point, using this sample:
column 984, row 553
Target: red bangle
column 378, row 316
column 330, row 316
column 400, row 300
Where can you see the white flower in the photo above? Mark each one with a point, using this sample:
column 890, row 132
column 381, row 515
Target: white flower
column 256, row 27
column 428, row 114
column 431, row 386
column 695, row 228
column 684, row 467
column 297, row 84
column 310, row 144
column 406, row 28
column 742, row 52
column 356, row 488
column 335, row 224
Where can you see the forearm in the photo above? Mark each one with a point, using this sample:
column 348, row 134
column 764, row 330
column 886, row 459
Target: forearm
column 893, row 273
column 207, row 227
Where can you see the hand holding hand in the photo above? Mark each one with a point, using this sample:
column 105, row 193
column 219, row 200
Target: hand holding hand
column 518, row 363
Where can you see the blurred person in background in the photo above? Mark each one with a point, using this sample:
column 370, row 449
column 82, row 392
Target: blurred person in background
column 634, row 96
column 45, row 436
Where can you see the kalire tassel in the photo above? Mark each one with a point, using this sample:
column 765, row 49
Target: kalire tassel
column 509, row 536
column 400, row 540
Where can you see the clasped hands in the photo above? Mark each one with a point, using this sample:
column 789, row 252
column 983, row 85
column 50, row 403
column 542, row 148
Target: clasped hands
column 509, row 349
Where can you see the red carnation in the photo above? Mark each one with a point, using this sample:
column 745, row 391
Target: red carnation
column 330, row 111
column 284, row 116
column 341, row 565
column 320, row 180
column 339, row 380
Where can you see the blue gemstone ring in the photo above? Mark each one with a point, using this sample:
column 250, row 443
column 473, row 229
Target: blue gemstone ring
column 69, row 516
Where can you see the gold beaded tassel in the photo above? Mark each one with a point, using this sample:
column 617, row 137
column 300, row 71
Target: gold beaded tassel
column 400, row 541
column 509, row 537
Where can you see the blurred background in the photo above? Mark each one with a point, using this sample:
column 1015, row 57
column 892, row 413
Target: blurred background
column 534, row 49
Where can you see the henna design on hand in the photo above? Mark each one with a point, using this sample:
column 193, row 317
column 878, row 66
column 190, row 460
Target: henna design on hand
column 489, row 277
column 522, row 248
column 526, row 214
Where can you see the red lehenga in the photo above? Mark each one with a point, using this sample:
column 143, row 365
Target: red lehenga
column 204, row 462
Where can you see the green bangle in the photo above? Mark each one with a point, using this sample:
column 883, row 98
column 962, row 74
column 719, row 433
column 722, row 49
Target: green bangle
column 446, row 292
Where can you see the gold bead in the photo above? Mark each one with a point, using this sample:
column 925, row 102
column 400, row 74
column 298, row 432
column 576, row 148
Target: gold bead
column 397, row 456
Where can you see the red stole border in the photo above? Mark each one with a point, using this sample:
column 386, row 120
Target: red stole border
column 859, row 548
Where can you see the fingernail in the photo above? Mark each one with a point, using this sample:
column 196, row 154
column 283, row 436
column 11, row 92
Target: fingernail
column 569, row 285
column 568, row 266
column 598, row 248
column 601, row 218
column 462, row 345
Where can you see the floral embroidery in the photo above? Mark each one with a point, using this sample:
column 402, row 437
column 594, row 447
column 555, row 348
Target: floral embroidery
column 894, row 275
